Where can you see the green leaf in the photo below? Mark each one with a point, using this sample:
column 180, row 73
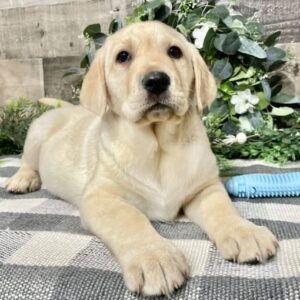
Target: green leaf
column 237, row 69
column 73, row 71
column 139, row 11
column 276, row 90
column 256, row 30
column 153, row 4
column 251, row 48
column 264, row 102
column 240, row 18
column 272, row 39
column 115, row 25
column 246, row 84
column 282, row 111
column 256, row 120
column 244, row 75
column 230, row 128
column 275, row 54
column 173, row 20
column 221, row 11
column 90, row 53
column 231, row 43
column 219, row 108
column 266, row 88
column 191, row 21
column 196, row 10
column 92, row 30
column 269, row 122
column 235, row 25
column 227, row 88
column 222, row 69
column 85, row 62
column 275, row 65
column 130, row 20
column 163, row 12
column 219, row 41
column 182, row 29
column 149, row 16
column 245, row 124
column 208, row 44
column 213, row 18
column 228, row 43
column 99, row 39
column 274, row 80
column 284, row 98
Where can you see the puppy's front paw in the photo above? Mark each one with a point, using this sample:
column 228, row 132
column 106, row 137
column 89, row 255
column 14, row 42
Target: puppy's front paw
column 154, row 269
column 24, row 181
column 246, row 242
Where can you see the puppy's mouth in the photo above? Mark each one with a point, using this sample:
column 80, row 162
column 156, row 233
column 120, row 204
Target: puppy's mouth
column 158, row 103
column 158, row 112
column 158, row 107
column 146, row 109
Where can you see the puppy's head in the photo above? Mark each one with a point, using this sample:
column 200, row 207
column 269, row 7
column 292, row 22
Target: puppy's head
column 147, row 72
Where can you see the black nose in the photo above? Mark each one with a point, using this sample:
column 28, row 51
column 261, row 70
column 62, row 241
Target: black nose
column 156, row 82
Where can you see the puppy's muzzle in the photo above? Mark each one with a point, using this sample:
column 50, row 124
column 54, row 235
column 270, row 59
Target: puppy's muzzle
column 156, row 83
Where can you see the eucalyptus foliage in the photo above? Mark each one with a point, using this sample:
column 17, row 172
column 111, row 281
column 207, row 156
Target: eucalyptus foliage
column 243, row 60
column 268, row 143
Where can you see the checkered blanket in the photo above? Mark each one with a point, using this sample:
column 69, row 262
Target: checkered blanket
column 45, row 253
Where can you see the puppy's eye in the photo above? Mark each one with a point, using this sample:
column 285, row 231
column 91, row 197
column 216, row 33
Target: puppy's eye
column 175, row 52
column 123, row 56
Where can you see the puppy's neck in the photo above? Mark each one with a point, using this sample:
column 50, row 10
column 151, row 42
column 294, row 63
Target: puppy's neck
column 180, row 131
column 158, row 136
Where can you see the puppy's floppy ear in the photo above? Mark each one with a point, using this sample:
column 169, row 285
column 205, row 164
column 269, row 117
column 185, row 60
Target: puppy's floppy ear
column 94, row 94
column 205, row 88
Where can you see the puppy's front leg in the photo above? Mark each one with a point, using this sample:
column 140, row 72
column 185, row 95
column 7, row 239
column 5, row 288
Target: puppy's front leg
column 236, row 238
column 151, row 264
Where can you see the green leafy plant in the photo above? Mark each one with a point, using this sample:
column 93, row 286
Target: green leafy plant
column 272, row 145
column 15, row 119
column 244, row 61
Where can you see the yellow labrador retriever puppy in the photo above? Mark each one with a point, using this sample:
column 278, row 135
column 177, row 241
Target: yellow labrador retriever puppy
column 139, row 151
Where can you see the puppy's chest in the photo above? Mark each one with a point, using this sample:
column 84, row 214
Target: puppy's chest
column 165, row 182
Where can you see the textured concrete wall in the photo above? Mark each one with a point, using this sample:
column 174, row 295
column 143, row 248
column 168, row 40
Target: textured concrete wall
column 21, row 77
column 276, row 15
column 49, row 29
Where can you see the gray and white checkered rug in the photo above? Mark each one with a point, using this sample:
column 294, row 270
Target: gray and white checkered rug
column 45, row 254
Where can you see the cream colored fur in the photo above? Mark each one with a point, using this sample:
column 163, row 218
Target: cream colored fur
column 122, row 164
